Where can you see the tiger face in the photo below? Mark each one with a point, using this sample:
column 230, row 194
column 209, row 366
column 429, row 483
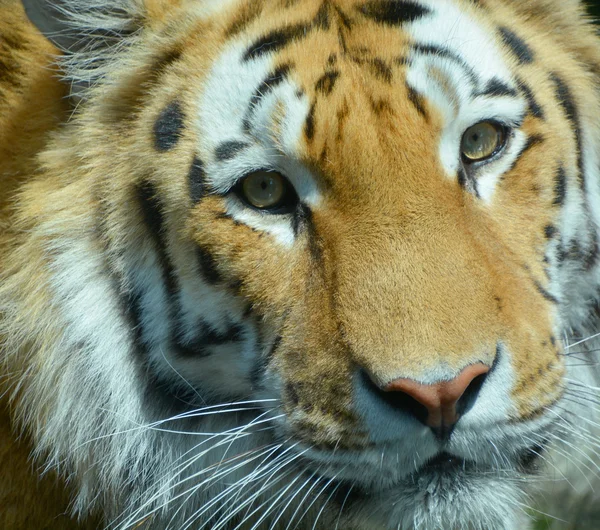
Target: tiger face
column 311, row 262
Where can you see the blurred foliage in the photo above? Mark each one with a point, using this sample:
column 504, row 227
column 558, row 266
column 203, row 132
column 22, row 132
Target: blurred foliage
column 542, row 524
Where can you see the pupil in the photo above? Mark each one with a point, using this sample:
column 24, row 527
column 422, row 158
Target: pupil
column 263, row 185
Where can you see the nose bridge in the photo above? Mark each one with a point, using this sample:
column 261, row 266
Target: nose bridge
column 415, row 298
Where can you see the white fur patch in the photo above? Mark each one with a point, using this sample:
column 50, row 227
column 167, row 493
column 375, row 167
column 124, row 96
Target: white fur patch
column 452, row 81
column 273, row 138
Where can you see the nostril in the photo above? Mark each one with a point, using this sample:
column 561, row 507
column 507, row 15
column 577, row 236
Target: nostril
column 403, row 402
column 467, row 400
column 397, row 400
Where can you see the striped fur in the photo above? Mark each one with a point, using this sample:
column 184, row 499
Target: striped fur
column 182, row 360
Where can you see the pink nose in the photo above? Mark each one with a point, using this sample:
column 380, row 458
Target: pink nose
column 440, row 399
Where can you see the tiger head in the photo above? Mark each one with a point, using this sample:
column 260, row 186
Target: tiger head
column 346, row 238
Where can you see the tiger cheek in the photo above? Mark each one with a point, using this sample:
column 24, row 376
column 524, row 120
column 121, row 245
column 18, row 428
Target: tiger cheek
column 266, row 274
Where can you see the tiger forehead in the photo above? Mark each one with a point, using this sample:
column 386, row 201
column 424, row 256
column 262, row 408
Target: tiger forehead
column 345, row 55
column 355, row 25
column 376, row 40
column 331, row 30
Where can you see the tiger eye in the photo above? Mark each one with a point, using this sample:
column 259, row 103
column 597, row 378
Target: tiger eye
column 481, row 141
column 264, row 189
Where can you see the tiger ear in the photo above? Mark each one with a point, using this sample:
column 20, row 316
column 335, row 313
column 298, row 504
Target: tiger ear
column 49, row 20
column 73, row 25
column 90, row 33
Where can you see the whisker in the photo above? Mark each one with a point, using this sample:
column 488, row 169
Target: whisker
column 582, row 341
column 261, row 470
column 270, row 470
column 326, row 503
column 339, row 518
column 299, row 507
column 169, row 485
column 194, row 488
column 315, row 500
column 192, row 387
column 294, row 496
column 286, row 463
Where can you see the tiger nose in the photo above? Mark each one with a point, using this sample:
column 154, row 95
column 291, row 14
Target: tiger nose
column 442, row 403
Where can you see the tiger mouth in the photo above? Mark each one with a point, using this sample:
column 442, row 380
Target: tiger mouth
column 444, row 471
column 445, row 463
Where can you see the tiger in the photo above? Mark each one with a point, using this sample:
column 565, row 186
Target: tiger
column 299, row 264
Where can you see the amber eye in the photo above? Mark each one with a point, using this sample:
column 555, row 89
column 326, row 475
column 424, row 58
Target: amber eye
column 482, row 141
column 267, row 190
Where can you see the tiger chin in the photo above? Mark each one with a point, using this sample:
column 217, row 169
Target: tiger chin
column 299, row 264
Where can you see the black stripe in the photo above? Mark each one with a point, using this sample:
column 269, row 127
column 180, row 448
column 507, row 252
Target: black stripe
column 154, row 219
column 346, row 21
column 276, row 40
column 152, row 212
column 269, row 84
column 534, row 108
column 129, row 300
column 126, row 109
column 131, row 304
column 322, row 19
column 15, row 40
column 497, row 88
column 380, row 106
column 168, row 127
column 197, row 180
column 274, row 347
column 575, row 252
column 326, row 82
column 532, row 141
column 309, row 125
column 517, row 45
column 250, row 12
column 10, row 72
column 303, row 221
column 550, row 231
column 467, row 182
column 165, row 59
column 560, row 187
column 228, row 150
column 301, row 218
column 545, row 293
column 207, row 337
column 381, row 69
column 462, row 178
column 565, row 98
column 593, row 252
column 438, row 51
column 208, row 266
column 418, row 102
column 261, row 363
column 393, row 13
